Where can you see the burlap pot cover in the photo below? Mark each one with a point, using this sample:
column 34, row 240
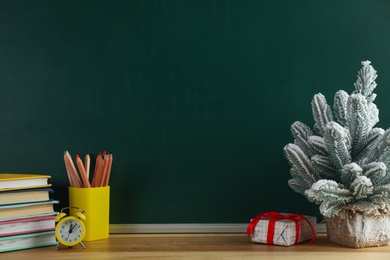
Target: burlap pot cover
column 359, row 229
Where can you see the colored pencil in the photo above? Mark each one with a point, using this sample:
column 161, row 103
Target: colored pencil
column 107, row 177
column 96, row 177
column 87, row 163
column 82, row 172
column 70, row 178
column 105, row 169
column 101, row 174
column 73, row 171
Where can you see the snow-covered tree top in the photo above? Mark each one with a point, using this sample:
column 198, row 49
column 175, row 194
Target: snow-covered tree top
column 344, row 160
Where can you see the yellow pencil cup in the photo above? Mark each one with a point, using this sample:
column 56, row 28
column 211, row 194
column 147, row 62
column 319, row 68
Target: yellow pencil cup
column 96, row 204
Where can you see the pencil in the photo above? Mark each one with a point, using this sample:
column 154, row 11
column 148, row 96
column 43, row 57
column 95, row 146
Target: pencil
column 101, row 174
column 87, row 163
column 104, row 172
column 100, row 171
column 71, row 174
column 82, row 172
column 97, row 172
column 73, row 171
column 70, row 178
column 107, row 178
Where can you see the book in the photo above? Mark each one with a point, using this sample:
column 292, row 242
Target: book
column 26, row 241
column 24, row 225
column 24, row 196
column 12, row 181
column 7, row 212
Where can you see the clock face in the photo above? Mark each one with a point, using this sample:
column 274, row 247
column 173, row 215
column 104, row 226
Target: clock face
column 70, row 231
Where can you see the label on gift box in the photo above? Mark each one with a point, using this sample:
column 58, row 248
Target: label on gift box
column 281, row 229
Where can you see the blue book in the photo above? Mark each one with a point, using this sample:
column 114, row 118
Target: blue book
column 26, row 241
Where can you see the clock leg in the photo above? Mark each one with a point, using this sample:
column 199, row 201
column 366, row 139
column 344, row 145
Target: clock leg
column 82, row 245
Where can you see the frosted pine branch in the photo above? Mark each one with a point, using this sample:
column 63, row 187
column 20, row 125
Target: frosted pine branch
column 301, row 165
column 376, row 171
column 322, row 112
column 361, row 188
column 381, row 195
column 340, row 107
column 349, row 173
column 317, row 145
column 381, row 145
column 301, row 133
column 327, row 190
column 369, row 143
column 338, row 144
column 325, row 168
column 365, row 83
column 358, row 116
column 343, row 163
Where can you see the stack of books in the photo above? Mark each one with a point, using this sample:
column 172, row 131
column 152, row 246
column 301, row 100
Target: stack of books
column 27, row 216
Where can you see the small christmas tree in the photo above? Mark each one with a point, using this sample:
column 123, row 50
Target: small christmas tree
column 344, row 161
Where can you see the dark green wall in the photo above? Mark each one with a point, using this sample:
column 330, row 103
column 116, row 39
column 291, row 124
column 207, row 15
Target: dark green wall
column 194, row 98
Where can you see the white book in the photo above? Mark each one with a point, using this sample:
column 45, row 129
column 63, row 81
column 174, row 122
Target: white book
column 12, row 181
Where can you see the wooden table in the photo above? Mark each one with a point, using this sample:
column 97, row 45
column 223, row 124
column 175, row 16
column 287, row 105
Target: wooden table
column 198, row 246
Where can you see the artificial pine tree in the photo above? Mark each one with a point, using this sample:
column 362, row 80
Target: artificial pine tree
column 343, row 163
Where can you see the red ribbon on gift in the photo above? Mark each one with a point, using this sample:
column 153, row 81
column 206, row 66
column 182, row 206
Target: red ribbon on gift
column 275, row 216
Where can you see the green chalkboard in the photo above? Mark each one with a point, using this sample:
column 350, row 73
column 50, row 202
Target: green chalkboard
column 194, row 98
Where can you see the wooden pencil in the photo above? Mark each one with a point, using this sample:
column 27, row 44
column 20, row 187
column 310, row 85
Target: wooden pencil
column 105, row 169
column 107, row 178
column 87, row 163
column 73, row 171
column 98, row 171
column 70, row 177
column 83, row 175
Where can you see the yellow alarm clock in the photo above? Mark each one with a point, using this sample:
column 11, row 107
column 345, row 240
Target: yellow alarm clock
column 70, row 230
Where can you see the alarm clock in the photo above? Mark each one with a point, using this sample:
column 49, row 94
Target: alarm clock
column 70, row 230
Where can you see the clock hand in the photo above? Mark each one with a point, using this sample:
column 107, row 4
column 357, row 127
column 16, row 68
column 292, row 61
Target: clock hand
column 71, row 228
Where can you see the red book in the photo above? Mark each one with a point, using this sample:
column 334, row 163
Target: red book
column 38, row 223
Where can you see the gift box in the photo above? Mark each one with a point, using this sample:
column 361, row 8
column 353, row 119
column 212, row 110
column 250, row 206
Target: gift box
column 281, row 229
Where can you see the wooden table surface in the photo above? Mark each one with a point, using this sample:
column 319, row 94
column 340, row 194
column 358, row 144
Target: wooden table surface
column 198, row 246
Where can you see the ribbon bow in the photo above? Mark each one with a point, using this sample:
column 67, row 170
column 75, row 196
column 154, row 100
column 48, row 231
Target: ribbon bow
column 275, row 216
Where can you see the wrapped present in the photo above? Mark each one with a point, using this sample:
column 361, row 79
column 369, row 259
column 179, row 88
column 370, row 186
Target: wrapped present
column 281, row 229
